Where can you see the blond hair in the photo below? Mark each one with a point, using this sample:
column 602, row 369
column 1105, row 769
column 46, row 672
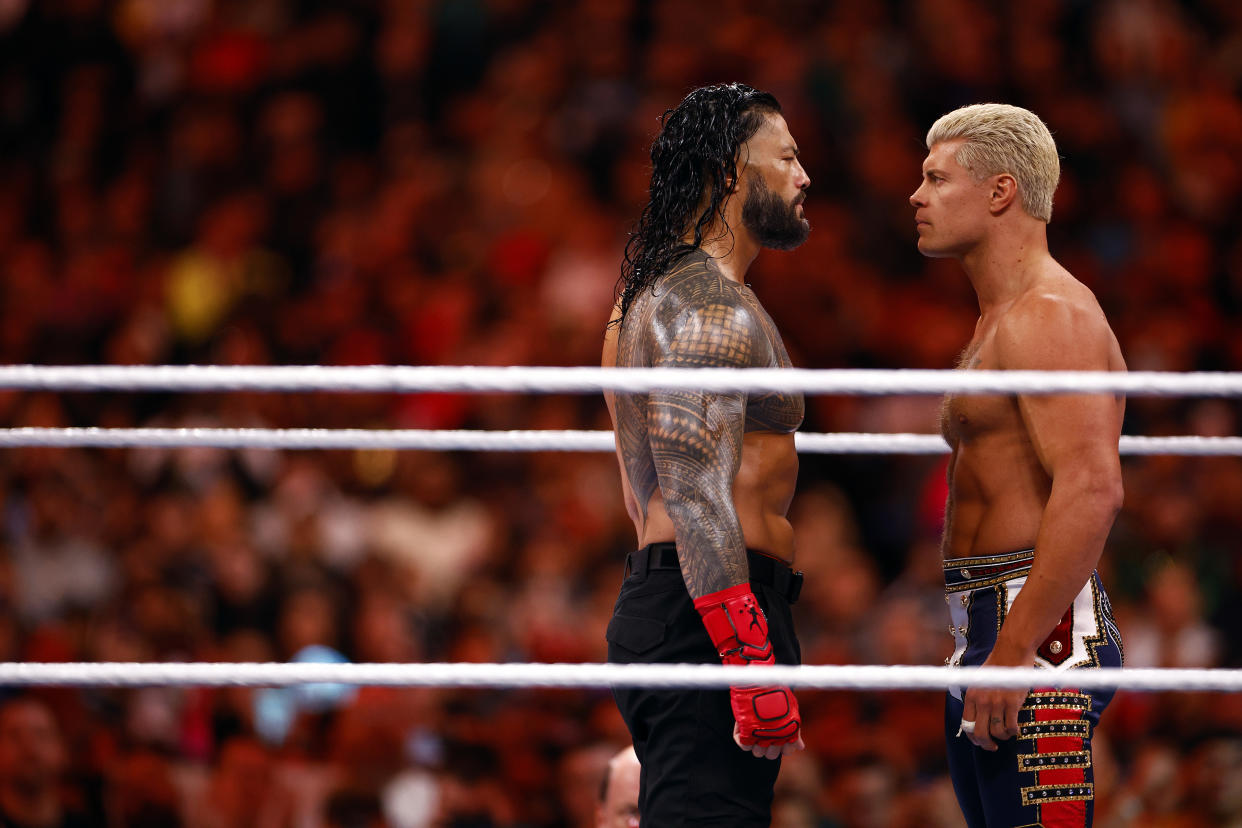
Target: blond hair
column 1000, row 138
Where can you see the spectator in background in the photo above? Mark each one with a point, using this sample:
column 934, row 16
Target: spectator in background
column 449, row 183
column 618, row 792
column 578, row 782
column 354, row 809
column 244, row 791
column 32, row 765
column 142, row 792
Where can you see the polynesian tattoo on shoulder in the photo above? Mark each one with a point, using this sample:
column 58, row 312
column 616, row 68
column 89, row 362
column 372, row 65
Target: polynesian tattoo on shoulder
column 688, row 444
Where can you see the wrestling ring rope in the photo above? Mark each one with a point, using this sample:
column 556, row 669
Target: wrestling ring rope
column 476, row 379
column 851, row 677
column 545, row 379
column 540, row 440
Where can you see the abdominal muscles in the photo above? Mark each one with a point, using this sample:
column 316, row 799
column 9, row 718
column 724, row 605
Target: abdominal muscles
column 997, row 495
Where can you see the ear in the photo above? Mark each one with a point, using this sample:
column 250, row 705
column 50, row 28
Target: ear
column 740, row 163
column 1004, row 192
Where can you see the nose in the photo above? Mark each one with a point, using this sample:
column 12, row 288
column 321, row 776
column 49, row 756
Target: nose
column 916, row 198
column 802, row 181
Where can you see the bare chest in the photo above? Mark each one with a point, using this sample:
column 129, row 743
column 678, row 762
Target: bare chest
column 967, row 417
column 774, row 411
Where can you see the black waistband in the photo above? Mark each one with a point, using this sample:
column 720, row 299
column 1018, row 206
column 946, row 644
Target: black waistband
column 764, row 569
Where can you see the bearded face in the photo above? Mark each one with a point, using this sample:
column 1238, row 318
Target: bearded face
column 775, row 223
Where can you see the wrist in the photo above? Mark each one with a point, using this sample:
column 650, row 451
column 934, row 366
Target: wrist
column 765, row 715
column 736, row 625
column 1012, row 653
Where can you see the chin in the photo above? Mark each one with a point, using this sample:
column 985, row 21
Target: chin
column 931, row 251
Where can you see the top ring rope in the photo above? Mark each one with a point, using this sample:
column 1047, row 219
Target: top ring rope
column 482, row 379
column 218, row 674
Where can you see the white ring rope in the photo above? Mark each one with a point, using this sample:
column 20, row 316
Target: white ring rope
column 537, row 440
column 857, row 677
column 479, row 379
column 559, row 379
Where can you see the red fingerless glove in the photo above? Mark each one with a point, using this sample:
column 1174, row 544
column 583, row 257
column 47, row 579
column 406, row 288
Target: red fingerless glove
column 737, row 626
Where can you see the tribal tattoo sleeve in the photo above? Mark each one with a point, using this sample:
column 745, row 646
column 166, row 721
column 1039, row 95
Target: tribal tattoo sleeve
column 696, row 444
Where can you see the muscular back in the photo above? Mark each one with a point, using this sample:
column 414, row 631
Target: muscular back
column 713, row 471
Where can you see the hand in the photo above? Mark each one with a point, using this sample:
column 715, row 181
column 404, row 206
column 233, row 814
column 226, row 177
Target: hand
column 771, row 751
column 766, row 719
column 992, row 712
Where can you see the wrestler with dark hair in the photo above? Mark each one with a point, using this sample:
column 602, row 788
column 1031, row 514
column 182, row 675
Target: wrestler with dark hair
column 708, row 477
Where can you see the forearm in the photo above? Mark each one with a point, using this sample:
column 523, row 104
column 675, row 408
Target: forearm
column 1075, row 525
column 696, row 445
column 710, row 545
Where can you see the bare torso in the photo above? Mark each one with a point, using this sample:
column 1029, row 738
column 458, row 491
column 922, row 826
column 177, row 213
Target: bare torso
column 657, row 328
column 998, row 486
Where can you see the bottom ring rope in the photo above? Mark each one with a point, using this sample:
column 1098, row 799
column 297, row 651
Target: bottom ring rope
column 857, row 677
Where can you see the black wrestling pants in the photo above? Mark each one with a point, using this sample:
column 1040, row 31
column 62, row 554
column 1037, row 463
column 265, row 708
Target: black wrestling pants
column 693, row 773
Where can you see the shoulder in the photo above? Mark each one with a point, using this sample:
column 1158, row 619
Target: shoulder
column 698, row 316
column 697, row 292
column 608, row 358
column 1052, row 308
column 1057, row 324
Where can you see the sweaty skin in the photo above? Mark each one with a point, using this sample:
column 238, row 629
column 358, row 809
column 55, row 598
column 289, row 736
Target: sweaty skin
column 713, row 471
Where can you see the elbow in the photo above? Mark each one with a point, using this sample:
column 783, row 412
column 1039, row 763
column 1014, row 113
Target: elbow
column 1099, row 489
column 1105, row 491
column 1114, row 496
column 690, row 506
column 1111, row 491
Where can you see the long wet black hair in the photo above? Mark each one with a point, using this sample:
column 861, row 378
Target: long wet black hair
column 695, row 151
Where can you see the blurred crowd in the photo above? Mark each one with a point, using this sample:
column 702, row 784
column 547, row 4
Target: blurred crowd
column 347, row 182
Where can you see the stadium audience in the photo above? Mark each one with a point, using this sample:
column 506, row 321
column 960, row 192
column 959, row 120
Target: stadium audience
column 435, row 182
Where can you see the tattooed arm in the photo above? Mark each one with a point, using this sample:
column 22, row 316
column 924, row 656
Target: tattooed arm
column 696, row 441
column 696, row 447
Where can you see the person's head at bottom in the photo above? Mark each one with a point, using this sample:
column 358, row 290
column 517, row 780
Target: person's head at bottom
column 618, row 793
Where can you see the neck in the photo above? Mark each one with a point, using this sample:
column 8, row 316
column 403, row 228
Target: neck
column 734, row 249
column 1003, row 265
column 38, row 806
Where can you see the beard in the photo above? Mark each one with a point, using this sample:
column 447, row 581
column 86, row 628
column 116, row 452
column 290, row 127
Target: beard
column 774, row 223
